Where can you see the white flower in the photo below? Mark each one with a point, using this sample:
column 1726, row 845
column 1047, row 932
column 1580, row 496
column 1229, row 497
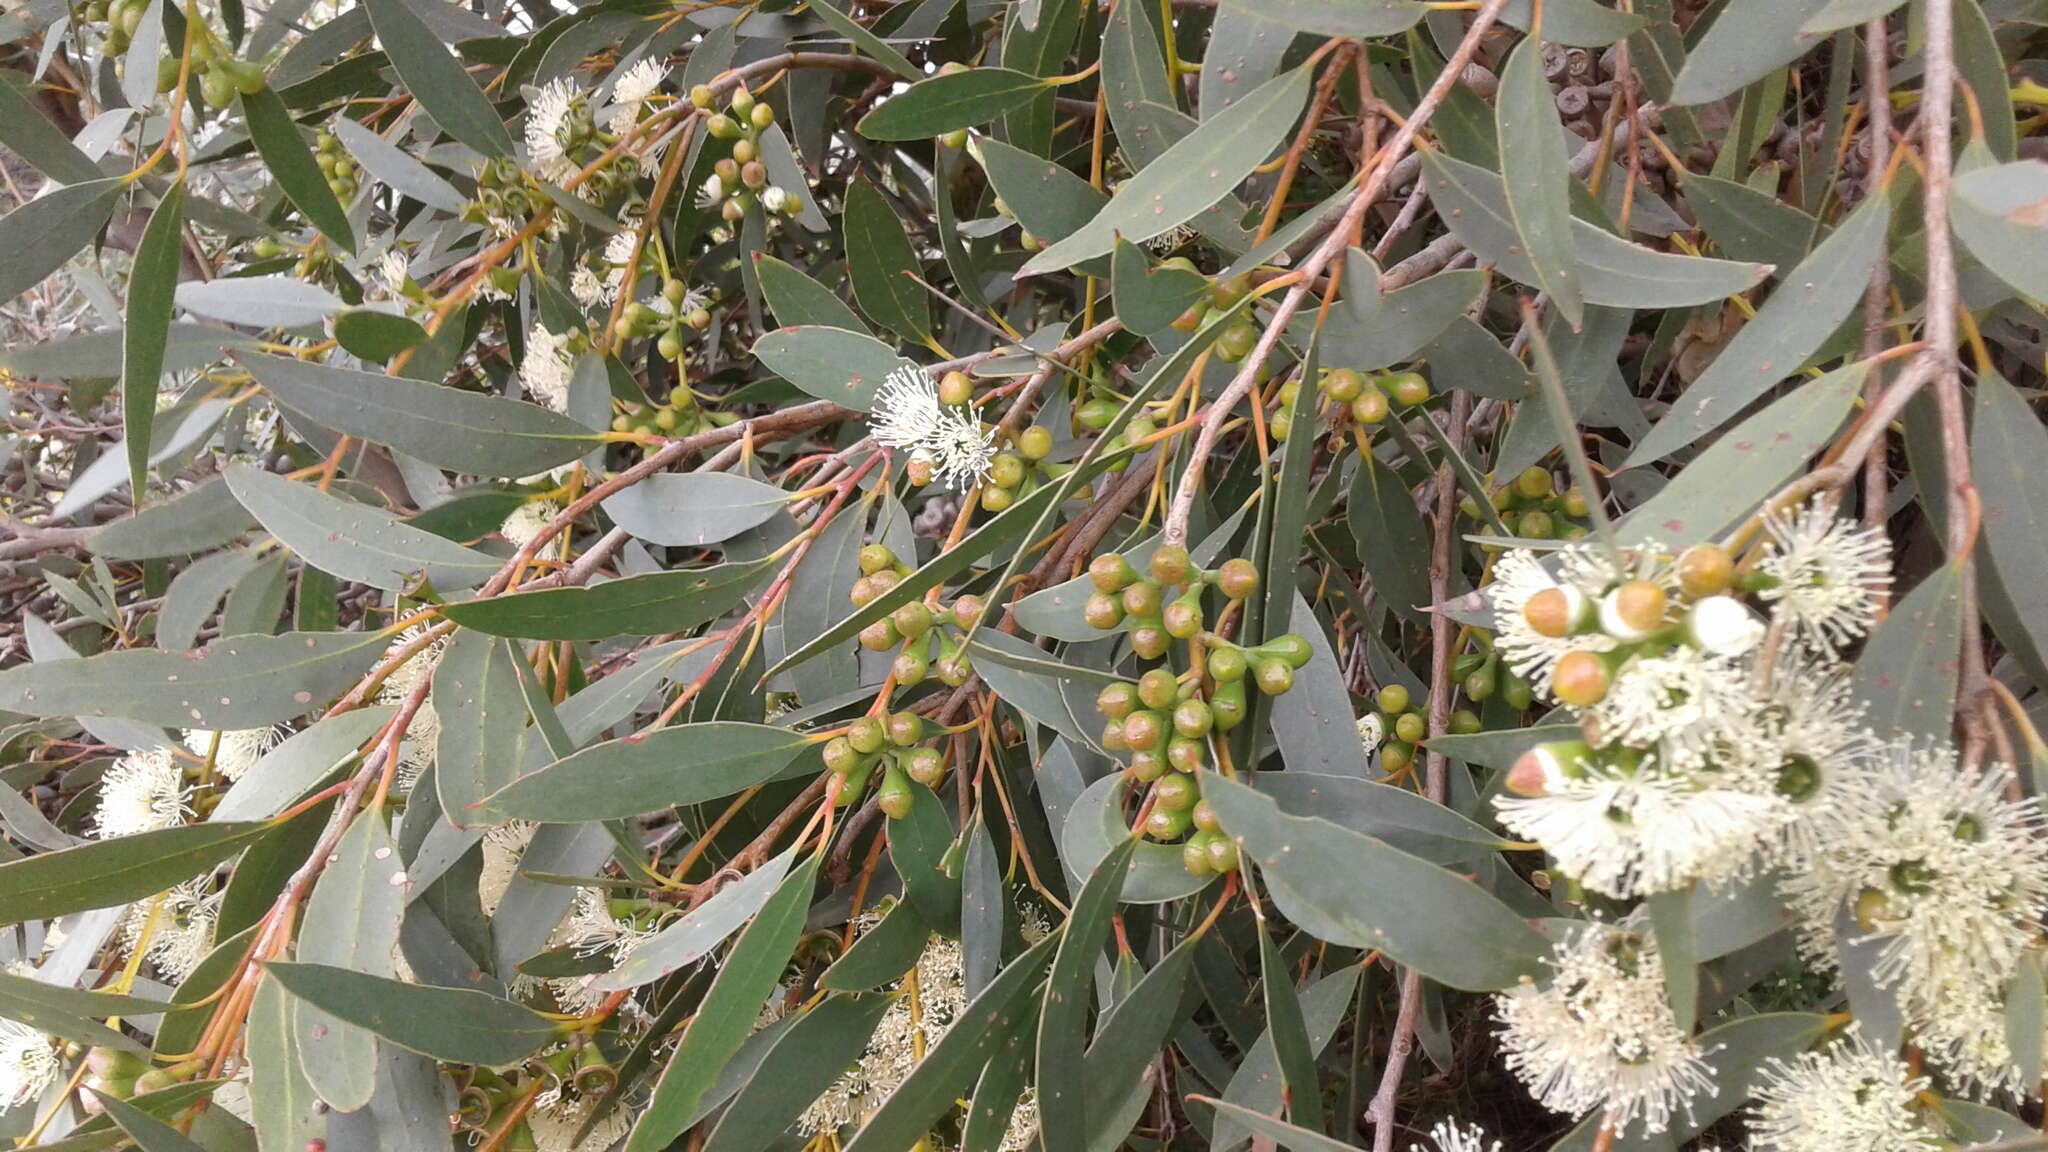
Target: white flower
column 556, row 1123
column 630, row 91
column 236, row 751
column 891, row 1051
column 1517, row 576
column 143, row 792
column 182, row 933
column 1170, row 239
column 907, row 411
column 417, row 748
column 1626, row 835
column 1939, row 866
column 1599, row 1034
column 393, row 270
column 1022, row 1131
column 28, row 1064
column 546, row 368
column 961, row 451
column 774, row 199
column 547, row 122
column 524, row 525
column 1847, row 1096
column 1808, row 745
column 1826, row 571
column 587, row 288
column 712, row 194
column 1681, row 703
column 1449, row 1137
column 504, row 844
column 1961, row 1026
column 1372, row 732
column 1724, row 626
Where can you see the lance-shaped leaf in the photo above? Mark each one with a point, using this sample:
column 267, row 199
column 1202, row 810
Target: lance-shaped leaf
column 1612, row 271
column 32, row 136
column 1906, row 676
column 240, row 682
column 201, row 518
column 1749, row 40
column 1149, row 299
column 2007, row 444
column 436, row 79
column 109, row 872
column 796, row 299
column 682, row 764
column 446, row 1023
column 396, row 168
column 1190, row 176
column 802, row 1066
column 745, row 981
column 1418, row 914
column 483, row 734
column 1126, row 1041
column 831, row 363
column 880, row 955
column 650, row 605
column 2001, row 214
column 352, row 922
column 354, row 541
column 485, row 435
column 283, row 1109
column 948, row 101
column 149, row 1133
column 291, row 164
column 1062, row 1086
column 1351, row 18
column 1095, row 827
column 260, row 301
column 1807, row 307
column 41, row 235
column 1257, row 1084
column 698, row 933
column 1579, row 23
column 692, row 509
column 1536, row 178
column 370, row 334
column 150, row 285
column 879, row 259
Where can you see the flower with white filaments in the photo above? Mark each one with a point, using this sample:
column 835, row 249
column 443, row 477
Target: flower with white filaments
column 1826, row 571
column 1848, row 1095
column 908, row 415
column 143, row 792
column 28, row 1064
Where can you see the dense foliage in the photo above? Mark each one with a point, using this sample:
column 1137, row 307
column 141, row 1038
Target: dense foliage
column 1050, row 574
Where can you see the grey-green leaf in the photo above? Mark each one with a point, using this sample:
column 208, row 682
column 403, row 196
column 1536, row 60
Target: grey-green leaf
column 650, row 605
column 1906, row 676
column 485, row 435
column 446, row 1023
column 2001, row 215
column 693, row 509
column 239, row 682
column 150, row 285
column 1536, row 178
column 354, row 541
column 42, row 234
column 948, row 101
column 1749, row 39
column 103, row 873
column 436, row 79
column 683, row 764
column 831, row 363
column 291, row 164
column 351, row 922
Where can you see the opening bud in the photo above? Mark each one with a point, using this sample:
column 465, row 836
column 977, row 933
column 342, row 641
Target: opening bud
column 1633, row 611
column 1723, row 626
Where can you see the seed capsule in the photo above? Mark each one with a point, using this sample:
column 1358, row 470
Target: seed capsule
column 1194, row 855
column 1274, row 676
column 1142, row 599
column 905, row 729
column 1227, row 665
column 1110, row 572
column 895, row 798
column 866, row 735
column 1103, row 611
column 1117, row 701
column 1175, row 791
column 1193, row 719
column 926, row 766
column 1222, row 853
column 1185, row 754
column 1158, row 689
column 1411, row 728
column 1170, row 564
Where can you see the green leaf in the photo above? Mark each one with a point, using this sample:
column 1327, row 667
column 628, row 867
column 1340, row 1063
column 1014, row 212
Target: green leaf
column 796, row 299
column 1257, row 1084
column 744, row 982
column 1062, row 1083
column 1906, row 676
column 2026, row 1017
column 2001, row 215
column 907, row 1115
column 291, row 164
column 1801, row 314
column 1748, row 224
column 351, row 922
column 1095, row 827
column 240, row 682
column 1289, row 1033
column 286, row 1113
column 831, row 363
column 679, row 765
column 30, row 135
column 1392, row 540
column 1386, row 812
column 260, row 301
column 1839, row 14
column 1367, row 330
column 373, row 335
column 70, row 1014
column 149, row 1133
column 1418, row 914
column 880, row 955
column 948, row 101
column 196, row 520
column 698, row 932
column 292, row 769
column 1501, row 749
column 1749, row 40
column 1289, row 1136
column 650, row 605
column 396, row 168
column 1349, row 18
column 1050, row 202
column 446, row 427
column 104, row 873
column 1980, row 66
column 2006, row 445
column 1127, row 1039
column 98, row 354
column 437, row 79
column 483, row 734
column 1149, row 299
column 150, row 285
column 879, row 260
column 865, row 40
column 919, row 846
column 1748, row 463
column 1189, row 177
column 354, row 541
column 1612, row 272
column 802, row 1066
column 1579, row 23
column 454, row 1024
column 42, row 234
column 1673, row 915
column 693, row 509
column 1038, row 41
column 1536, row 179
column 984, row 908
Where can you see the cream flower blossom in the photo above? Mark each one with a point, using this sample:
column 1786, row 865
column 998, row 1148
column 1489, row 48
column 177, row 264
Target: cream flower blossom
column 1449, row 1136
column 1599, row 1034
column 546, row 368
column 182, row 932
column 236, row 750
column 1826, row 571
column 549, row 120
column 144, row 791
column 28, row 1064
column 1847, row 1095
column 524, row 525
column 1518, row 575
column 630, row 93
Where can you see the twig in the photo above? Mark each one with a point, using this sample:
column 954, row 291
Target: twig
column 1877, row 298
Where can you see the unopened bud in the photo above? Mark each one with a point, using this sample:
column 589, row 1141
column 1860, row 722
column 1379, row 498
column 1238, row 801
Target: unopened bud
column 1705, row 569
column 1538, row 769
column 1580, row 679
column 1633, row 611
column 1557, row 611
